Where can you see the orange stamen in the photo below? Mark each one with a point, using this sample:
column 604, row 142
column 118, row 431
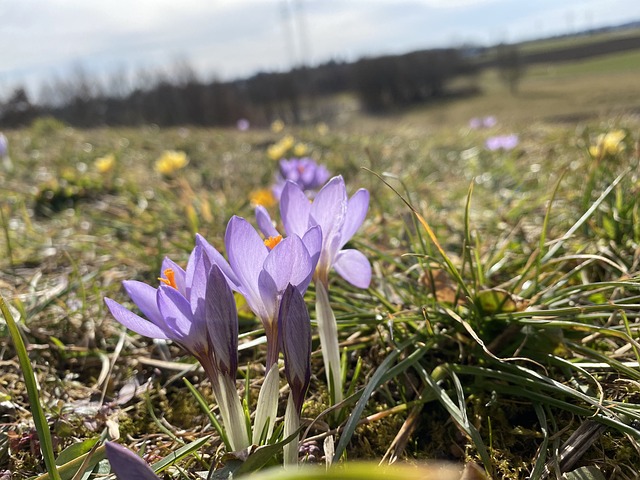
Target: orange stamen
column 271, row 242
column 170, row 278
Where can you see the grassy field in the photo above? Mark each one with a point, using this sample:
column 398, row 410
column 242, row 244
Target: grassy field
column 501, row 322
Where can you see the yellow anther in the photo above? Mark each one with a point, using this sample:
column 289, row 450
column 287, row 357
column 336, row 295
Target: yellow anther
column 271, row 242
column 170, row 278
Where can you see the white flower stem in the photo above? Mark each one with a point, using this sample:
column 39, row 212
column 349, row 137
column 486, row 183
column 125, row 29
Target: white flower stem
column 291, row 424
column 328, row 329
column 232, row 413
column 267, row 407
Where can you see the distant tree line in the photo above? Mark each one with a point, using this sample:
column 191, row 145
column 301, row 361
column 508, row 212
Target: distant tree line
column 179, row 97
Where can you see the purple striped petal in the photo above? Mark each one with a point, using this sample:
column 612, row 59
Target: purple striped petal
column 354, row 267
column 356, row 213
column 144, row 296
column 313, row 242
column 265, row 225
column 133, row 321
column 217, row 258
column 294, row 210
column 176, row 312
column 247, row 254
column 289, row 262
column 199, row 266
column 127, row 465
column 329, row 210
column 223, row 322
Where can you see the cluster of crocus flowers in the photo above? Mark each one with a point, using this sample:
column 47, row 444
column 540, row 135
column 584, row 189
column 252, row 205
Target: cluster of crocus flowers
column 338, row 217
column 171, row 161
column 195, row 308
column 608, row 144
column 305, row 172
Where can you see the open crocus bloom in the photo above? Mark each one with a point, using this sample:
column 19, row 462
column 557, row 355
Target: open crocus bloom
column 261, row 270
column 337, row 215
column 196, row 309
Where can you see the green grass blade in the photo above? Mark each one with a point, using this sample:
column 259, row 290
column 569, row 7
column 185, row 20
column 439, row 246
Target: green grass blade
column 352, row 422
column 584, row 217
column 189, row 448
column 44, row 435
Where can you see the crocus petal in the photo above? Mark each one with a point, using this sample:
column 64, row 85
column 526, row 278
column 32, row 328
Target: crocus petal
column 356, row 212
column 144, row 296
column 133, row 321
column 127, row 465
column 176, row 311
column 329, row 210
column 199, row 266
column 313, row 242
column 294, row 329
column 294, row 209
column 265, row 225
column 289, row 262
column 222, row 316
column 247, row 253
column 217, row 258
column 354, row 267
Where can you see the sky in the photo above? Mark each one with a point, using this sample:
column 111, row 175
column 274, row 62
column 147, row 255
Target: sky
column 45, row 40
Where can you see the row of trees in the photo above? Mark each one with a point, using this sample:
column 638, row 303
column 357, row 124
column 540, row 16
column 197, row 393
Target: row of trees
column 179, row 97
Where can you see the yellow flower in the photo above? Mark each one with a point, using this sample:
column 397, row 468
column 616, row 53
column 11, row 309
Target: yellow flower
column 105, row 164
column 322, row 128
column 277, row 126
column 262, row 196
column 608, row 144
column 280, row 149
column 170, row 161
column 300, row 149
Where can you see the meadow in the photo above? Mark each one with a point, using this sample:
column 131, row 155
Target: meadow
column 500, row 327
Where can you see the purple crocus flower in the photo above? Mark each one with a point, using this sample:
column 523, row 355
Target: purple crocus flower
column 261, row 269
column 305, row 172
column 195, row 308
column 338, row 216
column 502, row 142
column 127, row 465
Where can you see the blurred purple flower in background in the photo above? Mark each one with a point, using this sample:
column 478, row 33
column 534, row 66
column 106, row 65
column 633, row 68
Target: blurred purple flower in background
column 4, row 145
column 502, row 142
column 304, row 172
column 476, row 123
column 243, row 124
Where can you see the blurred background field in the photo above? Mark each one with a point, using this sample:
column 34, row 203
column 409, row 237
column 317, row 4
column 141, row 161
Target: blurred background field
column 85, row 207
